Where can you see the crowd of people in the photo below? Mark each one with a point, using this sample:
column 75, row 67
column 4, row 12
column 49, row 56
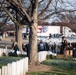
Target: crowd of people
column 65, row 48
column 42, row 46
column 47, row 47
column 68, row 48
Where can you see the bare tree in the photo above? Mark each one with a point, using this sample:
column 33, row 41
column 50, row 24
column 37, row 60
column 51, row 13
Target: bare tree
column 31, row 13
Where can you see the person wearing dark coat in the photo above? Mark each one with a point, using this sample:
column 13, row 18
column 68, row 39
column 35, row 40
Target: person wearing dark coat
column 54, row 50
column 15, row 49
column 40, row 46
column 64, row 45
column 23, row 47
column 46, row 47
column 27, row 50
column 74, row 50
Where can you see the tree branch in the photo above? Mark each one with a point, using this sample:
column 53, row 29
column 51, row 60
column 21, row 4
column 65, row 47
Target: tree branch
column 3, row 22
column 40, row 1
column 11, row 16
column 44, row 10
column 56, row 12
column 22, row 10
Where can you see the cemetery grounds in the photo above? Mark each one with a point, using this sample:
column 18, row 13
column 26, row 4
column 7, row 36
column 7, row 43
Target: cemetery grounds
column 54, row 66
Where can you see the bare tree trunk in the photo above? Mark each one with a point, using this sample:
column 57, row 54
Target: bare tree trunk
column 33, row 35
column 20, row 38
column 33, row 43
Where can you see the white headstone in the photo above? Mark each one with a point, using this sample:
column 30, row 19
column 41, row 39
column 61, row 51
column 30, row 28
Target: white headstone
column 13, row 68
column 21, row 67
column 9, row 69
column 26, row 64
column 0, row 72
column 18, row 67
column 3, row 71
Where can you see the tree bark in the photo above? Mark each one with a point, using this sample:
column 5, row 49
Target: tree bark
column 20, row 38
column 33, row 43
column 33, row 35
column 19, row 30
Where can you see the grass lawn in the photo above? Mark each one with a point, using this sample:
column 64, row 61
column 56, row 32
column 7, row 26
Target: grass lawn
column 5, row 60
column 59, row 67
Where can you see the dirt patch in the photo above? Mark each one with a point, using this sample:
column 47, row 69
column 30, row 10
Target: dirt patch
column 39, row 68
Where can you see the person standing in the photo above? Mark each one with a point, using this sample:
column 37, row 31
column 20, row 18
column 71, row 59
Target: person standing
column 27, row 50
column 46, row 47
column 23, row 46
column 71, row 49
column 40, row 46
column 74, row 51
column 54, row 48
column 6, row 47
column 63, row 45
column 15, row 49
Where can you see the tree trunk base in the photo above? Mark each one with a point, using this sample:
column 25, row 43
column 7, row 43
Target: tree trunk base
column 39, row 68
column 34, row 63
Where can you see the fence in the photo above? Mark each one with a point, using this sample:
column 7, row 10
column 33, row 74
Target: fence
column 15, row 68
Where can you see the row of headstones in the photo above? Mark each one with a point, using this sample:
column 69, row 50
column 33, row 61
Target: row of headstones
column 43, row 54
column 6, row 51
column 15, row 68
